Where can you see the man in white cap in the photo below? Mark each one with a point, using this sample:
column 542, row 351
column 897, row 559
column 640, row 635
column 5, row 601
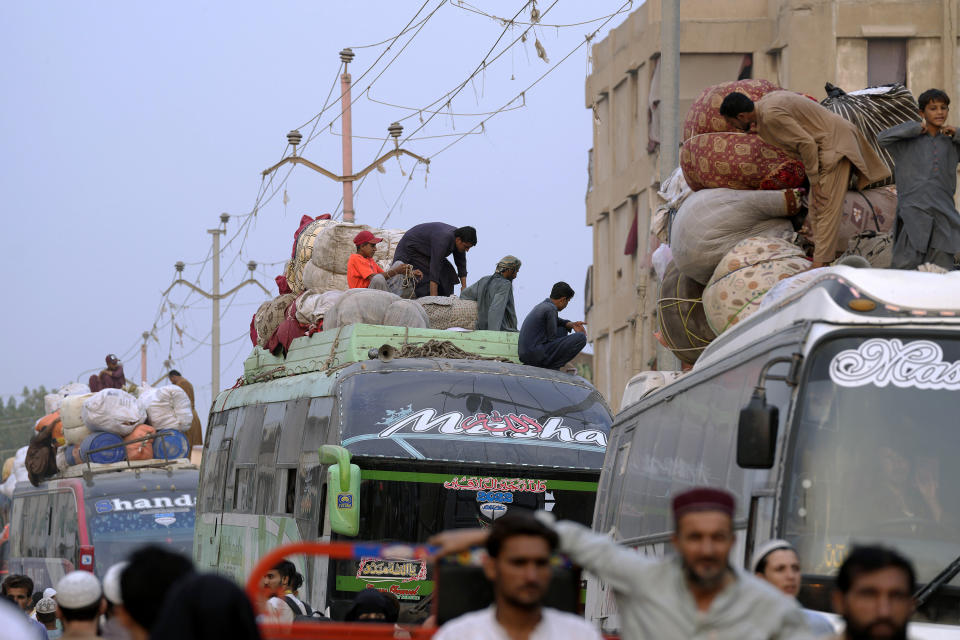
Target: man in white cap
column 777, row 562
column 47, row 616
column 79, row 605
column 114, row 628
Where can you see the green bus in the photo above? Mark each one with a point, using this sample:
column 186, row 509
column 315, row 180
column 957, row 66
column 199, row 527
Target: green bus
column 341, row 440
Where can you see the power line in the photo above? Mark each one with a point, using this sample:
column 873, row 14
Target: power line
column 460, row 4
column 586, row 39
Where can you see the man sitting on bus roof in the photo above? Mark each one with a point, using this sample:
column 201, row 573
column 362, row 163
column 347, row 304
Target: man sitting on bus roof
column 543, row 340
column 696, row 594
column 110, row 378
column 494, row 297
column 363, row 272
column 519, row 549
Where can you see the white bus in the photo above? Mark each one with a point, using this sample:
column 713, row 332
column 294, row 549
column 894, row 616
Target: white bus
column 833, row 414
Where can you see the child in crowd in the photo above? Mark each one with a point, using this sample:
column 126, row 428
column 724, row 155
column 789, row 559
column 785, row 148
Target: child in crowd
column 926, row 155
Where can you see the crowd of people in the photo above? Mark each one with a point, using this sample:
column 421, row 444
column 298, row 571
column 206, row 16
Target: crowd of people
column 695, row 593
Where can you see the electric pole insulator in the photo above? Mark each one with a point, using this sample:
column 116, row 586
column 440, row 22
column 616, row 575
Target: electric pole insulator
column 178, row 265
column 294, row 137
column 224, row 218
column 395, row 129
column 252, row 265
column 346, row 56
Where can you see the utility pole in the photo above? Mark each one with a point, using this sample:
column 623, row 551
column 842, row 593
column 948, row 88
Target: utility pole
column 346, row 56
column 143, row 359
column 669, row 114
column 348, row 178
column 215, row 296
column 215, row 330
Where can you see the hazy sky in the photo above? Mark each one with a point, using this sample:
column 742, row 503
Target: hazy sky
column 126, row 128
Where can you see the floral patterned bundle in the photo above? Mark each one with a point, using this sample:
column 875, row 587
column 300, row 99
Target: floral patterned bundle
column 744, row 275
column 737, row 161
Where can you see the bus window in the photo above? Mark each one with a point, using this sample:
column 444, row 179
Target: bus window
column 214, row 469
column 266, row 460
column 249, row 430
column 615, row 489
column 309, row 477
column 65, row 539
column 291, row 433
column 243, row 490
column 286, row 483
column 36, row 533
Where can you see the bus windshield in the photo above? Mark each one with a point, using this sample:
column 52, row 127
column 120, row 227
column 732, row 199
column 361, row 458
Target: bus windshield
column 474, row 417
column 122, row 523
column 877, row 443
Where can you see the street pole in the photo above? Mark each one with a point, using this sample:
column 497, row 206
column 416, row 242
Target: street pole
column 669, row 108
column 143, row 359
column 215, row 291
column 346, row 56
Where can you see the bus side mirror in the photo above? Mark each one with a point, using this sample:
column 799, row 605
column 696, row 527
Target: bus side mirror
column 757, row 432
column 343, row 490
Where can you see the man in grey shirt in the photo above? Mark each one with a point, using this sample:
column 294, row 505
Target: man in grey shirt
column 695, row 595
column 494, row 297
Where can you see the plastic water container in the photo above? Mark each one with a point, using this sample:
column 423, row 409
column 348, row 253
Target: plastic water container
column 101, row 439
column 170, row 444
column 72, row 455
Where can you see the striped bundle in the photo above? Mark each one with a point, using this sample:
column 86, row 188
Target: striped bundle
column 872, row 110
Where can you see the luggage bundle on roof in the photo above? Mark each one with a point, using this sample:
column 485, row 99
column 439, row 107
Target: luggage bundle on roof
column 109, row 426
column 733, row 223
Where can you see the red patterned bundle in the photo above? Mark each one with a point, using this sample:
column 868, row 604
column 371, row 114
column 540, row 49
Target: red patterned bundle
column 704, row 114
column 737, row 161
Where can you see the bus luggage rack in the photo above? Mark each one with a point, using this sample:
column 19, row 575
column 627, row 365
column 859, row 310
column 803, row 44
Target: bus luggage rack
column 470, row 590
column 87, row 468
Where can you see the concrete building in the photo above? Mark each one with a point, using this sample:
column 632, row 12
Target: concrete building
column 797, row 44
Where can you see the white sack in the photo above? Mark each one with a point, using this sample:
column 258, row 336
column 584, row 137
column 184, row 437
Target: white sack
column 368, row 306
column 71, row 415
column 661, row 259
column 112, row 410
column 167, row 407
column 710, row 222
column 313, row 305
column 52, row 401
column 19, row 466
column 406, row 313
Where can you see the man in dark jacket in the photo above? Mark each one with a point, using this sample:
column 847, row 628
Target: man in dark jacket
column 543, row 337
column 110, row 378
column 494, row 297
column 426, row 247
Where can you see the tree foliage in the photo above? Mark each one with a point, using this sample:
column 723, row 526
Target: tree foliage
column 17, row 417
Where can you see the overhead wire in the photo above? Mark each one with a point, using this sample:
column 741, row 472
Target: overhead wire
column 460, row 4
column 586, row 39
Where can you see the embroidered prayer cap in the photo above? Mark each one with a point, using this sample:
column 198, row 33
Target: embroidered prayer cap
column 703, row 499
column 78, row 589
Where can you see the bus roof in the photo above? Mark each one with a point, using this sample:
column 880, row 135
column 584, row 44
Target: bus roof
column 320, row 383
column 885, row 296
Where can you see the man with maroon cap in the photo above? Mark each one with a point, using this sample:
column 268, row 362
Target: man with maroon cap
column 696, row 594
column 110, row 378
column 363, row 272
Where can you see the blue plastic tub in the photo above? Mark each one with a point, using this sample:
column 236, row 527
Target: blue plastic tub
column 171, row 444
column 72, row 455
column 101, row 439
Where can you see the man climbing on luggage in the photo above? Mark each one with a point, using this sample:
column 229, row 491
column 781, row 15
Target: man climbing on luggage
column 494, row 297
column 426, row 247
column 926, row 156
column 110, row 378
column 829, row 147
column 195, row 434
column 363, row 272
column 543, row 340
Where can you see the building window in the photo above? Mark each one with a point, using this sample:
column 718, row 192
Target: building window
column 886, row 61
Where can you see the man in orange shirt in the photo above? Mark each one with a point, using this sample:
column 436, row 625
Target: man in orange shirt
column 363, row 272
